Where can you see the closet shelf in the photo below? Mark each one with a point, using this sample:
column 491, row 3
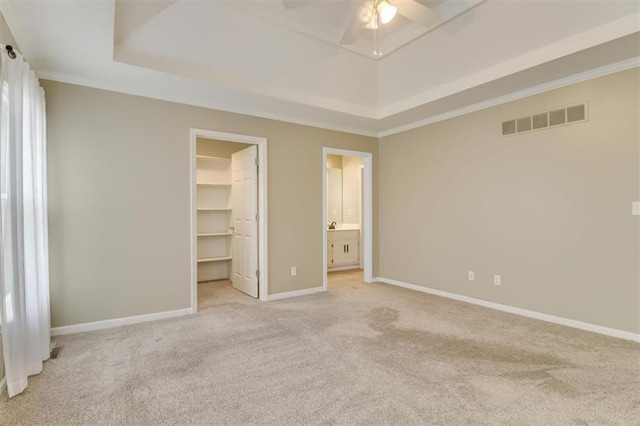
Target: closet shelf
column 214, row 259
column 213, row 187
column 214, row 234
column 209, row 157
column 223, row 185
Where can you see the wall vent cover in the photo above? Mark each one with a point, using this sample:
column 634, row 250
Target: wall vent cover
column 540, row 121
column 509, row 127
column 576, row 113
column 544, row 120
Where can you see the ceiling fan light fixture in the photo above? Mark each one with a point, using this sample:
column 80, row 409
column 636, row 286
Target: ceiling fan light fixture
column 386, row 11
column 365, row 12
column 372, row 24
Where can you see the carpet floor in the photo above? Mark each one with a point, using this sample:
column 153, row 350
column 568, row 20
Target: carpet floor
column 357, row 354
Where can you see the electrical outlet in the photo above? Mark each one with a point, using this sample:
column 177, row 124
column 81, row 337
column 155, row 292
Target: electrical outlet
column 497, row 280
column 294, row 271
column 635, row 208
column 471, row 276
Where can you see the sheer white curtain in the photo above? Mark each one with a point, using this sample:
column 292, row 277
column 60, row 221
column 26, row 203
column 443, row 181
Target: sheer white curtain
column 24, row 257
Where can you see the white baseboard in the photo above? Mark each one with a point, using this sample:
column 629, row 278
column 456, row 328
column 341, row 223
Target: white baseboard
column 518, row 311
column 101, row 325
column 295, row 293
column 3, row 385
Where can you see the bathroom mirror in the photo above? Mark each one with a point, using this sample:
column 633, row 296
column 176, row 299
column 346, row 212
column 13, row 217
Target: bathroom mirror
column 334, row 195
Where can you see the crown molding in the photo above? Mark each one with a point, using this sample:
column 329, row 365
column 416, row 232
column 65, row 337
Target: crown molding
column 193, row 71
column 556, row 84
column 514, row 96
column 137, row 91
column 570, row 45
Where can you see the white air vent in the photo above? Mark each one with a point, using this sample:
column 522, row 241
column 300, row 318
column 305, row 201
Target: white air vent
column 540, row 121
column 524, row 124
column 557, row 117
column 576, row 113
column 509, row 127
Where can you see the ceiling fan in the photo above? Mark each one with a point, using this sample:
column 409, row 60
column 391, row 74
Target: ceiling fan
column 372, row 14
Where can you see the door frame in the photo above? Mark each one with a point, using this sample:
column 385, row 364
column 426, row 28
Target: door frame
column 367, row 211
column 194, row 134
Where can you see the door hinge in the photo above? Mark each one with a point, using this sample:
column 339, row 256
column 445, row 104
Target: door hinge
column 257, row 273
column 257, row 217
column 257, row 161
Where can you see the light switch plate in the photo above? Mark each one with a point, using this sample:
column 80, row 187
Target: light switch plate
column 635, row 208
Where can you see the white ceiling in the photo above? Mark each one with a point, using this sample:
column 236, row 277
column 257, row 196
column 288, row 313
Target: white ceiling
column 263, row 59
column 327, row 20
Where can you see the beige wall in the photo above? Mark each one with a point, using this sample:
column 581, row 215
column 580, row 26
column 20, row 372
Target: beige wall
column 550, row 211
column 119, row 200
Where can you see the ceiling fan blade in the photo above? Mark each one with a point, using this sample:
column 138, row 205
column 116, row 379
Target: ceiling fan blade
column 417, row 12
column 350, row 35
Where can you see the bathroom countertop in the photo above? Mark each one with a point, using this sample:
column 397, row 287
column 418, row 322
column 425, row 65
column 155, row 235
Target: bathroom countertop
column 346, row 227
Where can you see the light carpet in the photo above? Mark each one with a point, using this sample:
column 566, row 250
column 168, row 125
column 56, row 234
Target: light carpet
column 358, row 354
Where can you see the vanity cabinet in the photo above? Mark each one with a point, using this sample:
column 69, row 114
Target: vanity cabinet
column 343, row 247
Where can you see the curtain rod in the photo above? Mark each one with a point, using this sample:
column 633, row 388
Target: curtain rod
column 10, row 51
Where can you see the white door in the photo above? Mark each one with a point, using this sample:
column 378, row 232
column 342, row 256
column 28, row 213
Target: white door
column 244, row 223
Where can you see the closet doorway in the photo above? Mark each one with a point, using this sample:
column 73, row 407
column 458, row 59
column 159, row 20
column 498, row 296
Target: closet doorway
column 347, row 212
column 228, row 212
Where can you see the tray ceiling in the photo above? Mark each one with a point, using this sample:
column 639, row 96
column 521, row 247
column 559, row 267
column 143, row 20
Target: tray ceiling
column 265, row 59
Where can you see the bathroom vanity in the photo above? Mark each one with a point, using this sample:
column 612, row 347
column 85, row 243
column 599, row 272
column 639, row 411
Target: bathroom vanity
column 344, row 212
column 343, row 248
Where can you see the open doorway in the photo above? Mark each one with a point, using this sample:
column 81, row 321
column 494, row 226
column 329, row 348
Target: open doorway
column 228, row 211
column 347, row 216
